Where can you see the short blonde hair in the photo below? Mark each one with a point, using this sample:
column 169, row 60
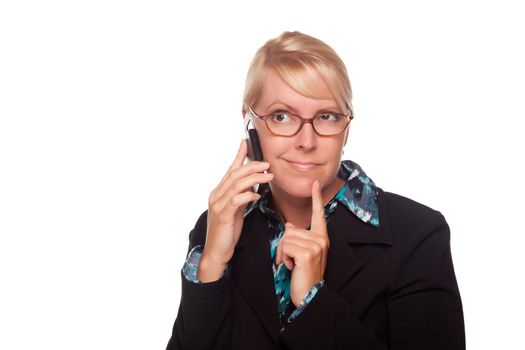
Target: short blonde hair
column 300, row 60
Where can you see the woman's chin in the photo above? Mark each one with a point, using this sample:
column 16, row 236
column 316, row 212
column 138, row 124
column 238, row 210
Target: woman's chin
column 299, row 188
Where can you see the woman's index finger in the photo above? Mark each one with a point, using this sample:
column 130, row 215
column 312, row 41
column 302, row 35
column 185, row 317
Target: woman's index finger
column 318, row 220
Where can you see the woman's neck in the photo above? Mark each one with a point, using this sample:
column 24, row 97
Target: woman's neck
column 298, row 210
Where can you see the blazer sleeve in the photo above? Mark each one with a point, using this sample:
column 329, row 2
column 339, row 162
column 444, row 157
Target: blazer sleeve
column 423, row 304
column 204, row 317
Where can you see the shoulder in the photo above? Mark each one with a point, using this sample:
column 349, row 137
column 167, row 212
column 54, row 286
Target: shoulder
column 404, row 209
column 408, row 219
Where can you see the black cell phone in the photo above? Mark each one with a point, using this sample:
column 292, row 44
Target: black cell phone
column 254, row 146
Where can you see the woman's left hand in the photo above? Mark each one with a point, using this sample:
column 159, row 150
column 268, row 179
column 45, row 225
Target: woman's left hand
column 303, row 251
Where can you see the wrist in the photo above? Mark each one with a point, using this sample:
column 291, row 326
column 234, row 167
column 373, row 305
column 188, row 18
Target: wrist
column 209, row 270
column 299, row 294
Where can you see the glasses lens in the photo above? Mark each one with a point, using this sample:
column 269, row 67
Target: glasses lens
column 330, row 123
column 282, row 123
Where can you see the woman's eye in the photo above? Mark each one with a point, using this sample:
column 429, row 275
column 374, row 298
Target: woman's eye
column 329, row 117
column 280, row 117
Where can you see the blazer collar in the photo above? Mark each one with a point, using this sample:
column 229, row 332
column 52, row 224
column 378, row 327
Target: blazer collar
column 352, row 229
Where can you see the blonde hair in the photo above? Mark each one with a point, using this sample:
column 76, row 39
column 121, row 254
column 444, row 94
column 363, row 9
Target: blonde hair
column 300, row 60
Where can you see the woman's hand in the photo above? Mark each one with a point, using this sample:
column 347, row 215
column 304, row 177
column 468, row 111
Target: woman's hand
column 304, row 252
column 226, row 206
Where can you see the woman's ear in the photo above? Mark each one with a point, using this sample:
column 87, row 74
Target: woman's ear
column 243, row 111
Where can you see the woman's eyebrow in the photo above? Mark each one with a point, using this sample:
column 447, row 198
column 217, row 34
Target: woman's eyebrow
column 332, row 109
column 289, row 108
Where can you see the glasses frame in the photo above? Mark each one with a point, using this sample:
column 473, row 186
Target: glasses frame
column 303, row 121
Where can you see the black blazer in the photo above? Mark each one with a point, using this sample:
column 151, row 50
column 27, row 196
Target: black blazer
column 391, row 287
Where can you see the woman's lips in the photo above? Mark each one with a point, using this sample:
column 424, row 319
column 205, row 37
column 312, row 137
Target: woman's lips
column 302, row 166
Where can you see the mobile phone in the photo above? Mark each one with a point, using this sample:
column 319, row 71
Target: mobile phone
column 254, row 146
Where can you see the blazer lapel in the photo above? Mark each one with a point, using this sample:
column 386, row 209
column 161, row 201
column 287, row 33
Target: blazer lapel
column 344, row 229
column 252, row 272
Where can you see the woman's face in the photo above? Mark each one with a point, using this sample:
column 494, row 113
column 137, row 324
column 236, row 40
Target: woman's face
column 297, row 161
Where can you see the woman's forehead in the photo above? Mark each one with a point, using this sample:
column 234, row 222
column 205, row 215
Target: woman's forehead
column 277, row 92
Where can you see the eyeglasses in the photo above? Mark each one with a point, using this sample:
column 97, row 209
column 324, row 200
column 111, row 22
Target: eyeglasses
column 283, row 123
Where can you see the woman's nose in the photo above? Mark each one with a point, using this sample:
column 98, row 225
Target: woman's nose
column 306, row 138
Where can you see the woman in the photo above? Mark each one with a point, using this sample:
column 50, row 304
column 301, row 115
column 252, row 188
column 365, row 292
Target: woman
column 323, row 259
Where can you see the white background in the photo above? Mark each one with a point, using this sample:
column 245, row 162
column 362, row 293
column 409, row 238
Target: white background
column 117, row 118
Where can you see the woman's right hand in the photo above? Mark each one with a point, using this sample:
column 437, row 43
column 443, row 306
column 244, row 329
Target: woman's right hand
column 226, row 206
